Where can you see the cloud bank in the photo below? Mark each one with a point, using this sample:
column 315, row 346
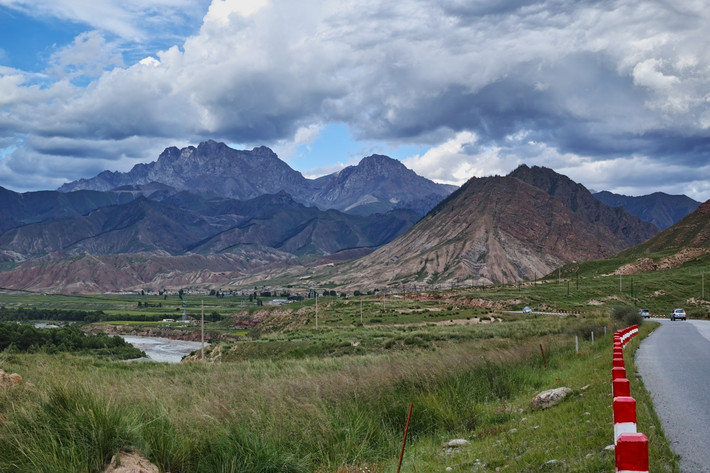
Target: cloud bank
column 614, row 94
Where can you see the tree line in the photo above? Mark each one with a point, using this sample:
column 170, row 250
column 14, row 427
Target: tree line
column 25, row 314
column 25, row 338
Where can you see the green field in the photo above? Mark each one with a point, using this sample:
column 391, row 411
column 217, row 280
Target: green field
column 291, row 392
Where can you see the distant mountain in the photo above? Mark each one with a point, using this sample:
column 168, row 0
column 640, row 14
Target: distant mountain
column 692, row 232
column 168, row 224
column 630, row 229
column 491, row 230
column 686, row 242
column 31, row 207
column 302, row 231
column 138, row 226
column 376, row 185
column 661, row 209
column 157, row 270
column 266, row 230
column 203, row 226
column 211, row 169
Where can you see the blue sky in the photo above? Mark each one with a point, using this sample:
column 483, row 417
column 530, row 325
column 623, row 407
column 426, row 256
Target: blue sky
column 615, row 95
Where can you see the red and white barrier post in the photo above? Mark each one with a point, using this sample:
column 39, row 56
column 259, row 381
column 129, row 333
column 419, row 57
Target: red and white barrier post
column 631, row 453
column 618, row 372
column 624, row 416
column 620, row 387
column 630, row 447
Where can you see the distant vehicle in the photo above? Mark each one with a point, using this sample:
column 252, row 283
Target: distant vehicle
column 644, row 313
column 678, row 314
column 527, row 310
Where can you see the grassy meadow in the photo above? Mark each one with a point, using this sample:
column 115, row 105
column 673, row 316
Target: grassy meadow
column 289, row 393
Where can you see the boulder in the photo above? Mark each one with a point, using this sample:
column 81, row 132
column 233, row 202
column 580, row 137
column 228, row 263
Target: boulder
column 9, row 380
column 550, row 398
column 457, row 443
column 131, row 462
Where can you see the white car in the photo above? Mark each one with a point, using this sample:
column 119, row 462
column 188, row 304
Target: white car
column 678, row 314
column 527, row 310
column 644, row 313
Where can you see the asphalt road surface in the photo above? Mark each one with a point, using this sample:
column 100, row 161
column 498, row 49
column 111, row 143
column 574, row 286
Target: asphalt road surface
column 674, row 362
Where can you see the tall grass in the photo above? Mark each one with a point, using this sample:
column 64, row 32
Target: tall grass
column 256, row 416
column 69, row 430
column 318, row 414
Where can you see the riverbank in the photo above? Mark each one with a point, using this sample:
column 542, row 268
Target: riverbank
column 188, row 333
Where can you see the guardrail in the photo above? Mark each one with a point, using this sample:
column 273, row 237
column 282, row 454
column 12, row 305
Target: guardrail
column 630, row 446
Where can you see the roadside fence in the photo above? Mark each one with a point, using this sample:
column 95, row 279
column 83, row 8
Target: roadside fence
column 630, row 446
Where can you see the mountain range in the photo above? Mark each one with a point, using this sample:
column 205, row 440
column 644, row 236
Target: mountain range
column 213, row 216
column 499, row 229
column 659, row 208
column 376, row 185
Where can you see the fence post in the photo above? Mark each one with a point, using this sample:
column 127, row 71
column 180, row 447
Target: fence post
column 404, row 440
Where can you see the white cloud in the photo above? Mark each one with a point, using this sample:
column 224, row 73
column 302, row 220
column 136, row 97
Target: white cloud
column 286, row 149
column 89, row 55
column 149, row 61
column 221, row 10
column 457, row 160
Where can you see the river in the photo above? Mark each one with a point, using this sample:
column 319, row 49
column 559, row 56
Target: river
column 163, row 349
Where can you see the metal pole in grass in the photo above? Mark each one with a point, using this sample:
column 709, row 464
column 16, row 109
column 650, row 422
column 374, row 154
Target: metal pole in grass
column 203, row 332
column 576, row 344
column 544, row 360
column 404, row 440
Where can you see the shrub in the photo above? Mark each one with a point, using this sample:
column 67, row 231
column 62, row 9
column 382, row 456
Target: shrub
column 627, row 315
column 699, row 313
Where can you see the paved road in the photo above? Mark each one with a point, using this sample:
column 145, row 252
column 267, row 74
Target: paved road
column 674, row 362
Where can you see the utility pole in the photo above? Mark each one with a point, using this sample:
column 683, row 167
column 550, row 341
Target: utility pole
column 316, row 310
column 360, row 310
column 203, row 332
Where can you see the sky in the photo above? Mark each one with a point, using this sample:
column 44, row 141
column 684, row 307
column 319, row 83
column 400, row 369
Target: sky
column 613, row 94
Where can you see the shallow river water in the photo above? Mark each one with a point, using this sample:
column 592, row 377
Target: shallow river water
column 163, row 349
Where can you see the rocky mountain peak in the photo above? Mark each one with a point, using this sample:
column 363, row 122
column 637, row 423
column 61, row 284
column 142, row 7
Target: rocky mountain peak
column 630, row 229
column 382, row 165
column 493, row 229
column 212, row 169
